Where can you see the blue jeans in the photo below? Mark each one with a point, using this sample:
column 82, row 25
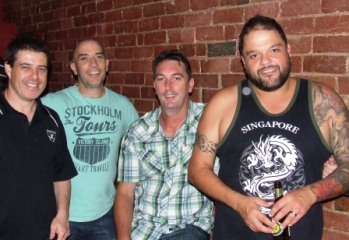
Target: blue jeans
column 190, row 232
column 102, row 228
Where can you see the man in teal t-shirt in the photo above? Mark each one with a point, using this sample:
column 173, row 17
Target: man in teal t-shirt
column 95, row 120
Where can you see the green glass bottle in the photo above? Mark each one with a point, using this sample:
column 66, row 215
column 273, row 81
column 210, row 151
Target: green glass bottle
column 280, row 234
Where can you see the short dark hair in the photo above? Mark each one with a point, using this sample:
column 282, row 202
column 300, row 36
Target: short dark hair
column 175, row 55
column 27, row 43
column 259, row 22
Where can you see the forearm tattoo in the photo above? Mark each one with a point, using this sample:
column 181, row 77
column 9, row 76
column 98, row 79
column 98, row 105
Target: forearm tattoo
column 330, row 109
column 204, row 144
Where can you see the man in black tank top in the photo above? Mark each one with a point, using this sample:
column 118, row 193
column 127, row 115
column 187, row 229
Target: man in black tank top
column 266, row 128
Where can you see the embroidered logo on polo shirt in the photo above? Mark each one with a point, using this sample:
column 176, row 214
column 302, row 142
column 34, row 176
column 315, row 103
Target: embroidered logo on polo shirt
column 51, row 135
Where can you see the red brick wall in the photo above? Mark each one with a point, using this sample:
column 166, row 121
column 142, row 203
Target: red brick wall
column 1, row 12
column 133, row 32
column 7, row 31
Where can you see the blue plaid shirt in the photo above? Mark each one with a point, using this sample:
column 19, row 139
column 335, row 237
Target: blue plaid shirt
column 164, row 200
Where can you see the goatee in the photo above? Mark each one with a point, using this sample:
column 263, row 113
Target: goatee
column 256, row 81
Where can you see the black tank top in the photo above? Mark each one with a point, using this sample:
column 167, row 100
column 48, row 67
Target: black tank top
column 260, row 148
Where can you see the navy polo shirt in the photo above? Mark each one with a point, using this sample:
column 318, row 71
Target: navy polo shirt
column 32, row 157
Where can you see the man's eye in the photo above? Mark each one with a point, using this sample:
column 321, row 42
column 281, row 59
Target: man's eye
column 82, row 58
column 25, row 67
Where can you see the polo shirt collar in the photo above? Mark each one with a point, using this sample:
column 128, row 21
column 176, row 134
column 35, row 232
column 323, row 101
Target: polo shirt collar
column 6, row 108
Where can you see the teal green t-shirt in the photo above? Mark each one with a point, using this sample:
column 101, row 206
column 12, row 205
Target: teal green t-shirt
column 94, row 128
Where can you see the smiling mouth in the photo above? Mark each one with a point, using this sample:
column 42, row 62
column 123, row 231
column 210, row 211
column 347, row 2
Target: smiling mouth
column 93, row 73
column 170, row 96
column 267, row 70
column 32, row 85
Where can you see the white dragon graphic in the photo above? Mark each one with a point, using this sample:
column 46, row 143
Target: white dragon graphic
column 278, row 158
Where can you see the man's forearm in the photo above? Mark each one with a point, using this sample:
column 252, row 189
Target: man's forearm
column 334, row 185
column 123, row 220
column 62, row 194
column 123, row 210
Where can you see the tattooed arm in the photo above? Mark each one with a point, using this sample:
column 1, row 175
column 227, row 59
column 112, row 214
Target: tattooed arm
column 332, row 117
column 329, row 167
column 204, row 144
column 214, row 123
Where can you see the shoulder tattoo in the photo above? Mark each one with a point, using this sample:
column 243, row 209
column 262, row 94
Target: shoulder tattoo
column 330, row 109
column 328, row 105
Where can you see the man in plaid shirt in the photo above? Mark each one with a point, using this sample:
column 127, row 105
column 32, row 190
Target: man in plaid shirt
column 154, row 199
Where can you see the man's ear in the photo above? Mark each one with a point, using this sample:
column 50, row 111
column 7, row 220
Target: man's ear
column 288, row 49
column 8, row 69
column 191, row 85
column 73, row 68
column 106, row 65
column 242, row 60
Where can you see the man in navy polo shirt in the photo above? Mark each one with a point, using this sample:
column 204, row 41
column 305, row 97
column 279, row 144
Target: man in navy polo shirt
column 35, row 165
